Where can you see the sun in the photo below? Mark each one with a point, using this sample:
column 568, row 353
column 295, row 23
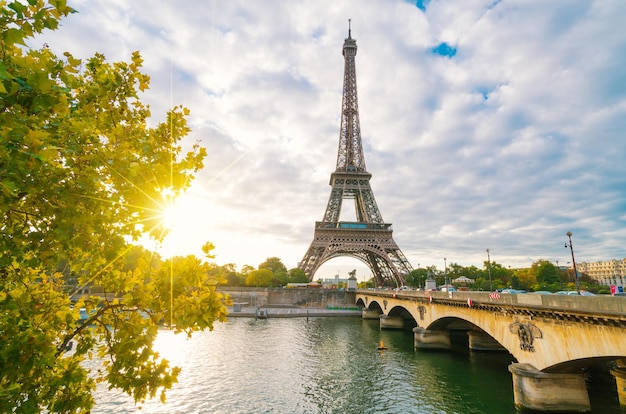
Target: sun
column 169, row 210
column 180, row 218
column 170, row 215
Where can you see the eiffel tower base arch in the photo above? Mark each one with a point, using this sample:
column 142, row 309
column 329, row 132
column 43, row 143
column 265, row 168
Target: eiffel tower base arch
column 370, row 243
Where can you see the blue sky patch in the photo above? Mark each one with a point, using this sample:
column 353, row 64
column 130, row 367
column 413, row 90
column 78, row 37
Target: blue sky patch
column 421, row 4
column 484, row 92
column 444, row 49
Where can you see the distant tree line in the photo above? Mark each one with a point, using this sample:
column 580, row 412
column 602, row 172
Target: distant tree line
column 541, row 275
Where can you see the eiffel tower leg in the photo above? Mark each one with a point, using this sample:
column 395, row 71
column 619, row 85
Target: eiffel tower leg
column 312, row 260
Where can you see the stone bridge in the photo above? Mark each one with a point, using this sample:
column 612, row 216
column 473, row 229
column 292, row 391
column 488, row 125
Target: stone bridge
column 551, row 337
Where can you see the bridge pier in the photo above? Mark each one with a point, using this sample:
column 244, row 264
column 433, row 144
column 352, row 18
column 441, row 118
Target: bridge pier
column 480, row 341
column 540, row 391
column 391, row 322
column 370, row 314
column 431, row 340
column 620, row 379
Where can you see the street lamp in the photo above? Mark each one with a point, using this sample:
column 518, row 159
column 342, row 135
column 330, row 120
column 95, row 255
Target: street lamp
column 569, row 235
column 419, row 277
column 489, row 267
column 445, row 273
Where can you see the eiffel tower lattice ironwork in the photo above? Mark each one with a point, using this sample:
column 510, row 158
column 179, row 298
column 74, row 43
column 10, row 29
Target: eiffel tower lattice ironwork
column 369, row 238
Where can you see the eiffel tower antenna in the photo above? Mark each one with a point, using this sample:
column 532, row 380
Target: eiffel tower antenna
column 368, row 238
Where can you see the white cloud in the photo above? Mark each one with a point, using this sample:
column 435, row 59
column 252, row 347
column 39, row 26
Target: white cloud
column 512, row 142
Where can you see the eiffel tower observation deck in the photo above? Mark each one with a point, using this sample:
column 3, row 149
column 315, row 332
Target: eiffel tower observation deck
column 367, row 238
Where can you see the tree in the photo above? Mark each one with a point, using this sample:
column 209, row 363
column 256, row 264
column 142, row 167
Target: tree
column 371, row 283
column 546, row 274
column 417, row 277
column 278, row 269
column 274, row 264
column 455, row 270
column 297, row 275
column 227, row 273
column 526, row 279
column 187, row 281
column 500, row 276
column 82, row 175
column 261, row 277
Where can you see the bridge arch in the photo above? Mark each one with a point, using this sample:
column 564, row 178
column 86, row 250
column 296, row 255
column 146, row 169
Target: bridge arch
column 409, row 321
column 578, row 364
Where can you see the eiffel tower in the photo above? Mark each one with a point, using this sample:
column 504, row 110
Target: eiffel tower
column 369, row 238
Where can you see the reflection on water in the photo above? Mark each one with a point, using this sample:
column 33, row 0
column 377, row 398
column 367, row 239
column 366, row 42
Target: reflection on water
column 320, row 365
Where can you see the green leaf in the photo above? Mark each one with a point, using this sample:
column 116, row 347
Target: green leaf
column 19, row 8
column 13, row 36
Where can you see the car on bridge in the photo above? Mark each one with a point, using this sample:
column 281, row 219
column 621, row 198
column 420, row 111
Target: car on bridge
column 574, row 293
column 513, row 291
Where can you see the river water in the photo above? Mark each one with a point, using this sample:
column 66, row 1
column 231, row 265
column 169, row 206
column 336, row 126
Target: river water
column 321, row 365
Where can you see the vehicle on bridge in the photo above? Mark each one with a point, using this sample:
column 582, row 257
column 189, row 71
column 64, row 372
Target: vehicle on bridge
column 574, row 293
column 513, row 291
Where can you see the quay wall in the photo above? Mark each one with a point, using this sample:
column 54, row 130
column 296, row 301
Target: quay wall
column 291, row 297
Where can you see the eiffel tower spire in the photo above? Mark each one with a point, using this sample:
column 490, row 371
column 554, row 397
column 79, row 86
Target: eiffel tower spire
column 369, row 238
column 350, row 154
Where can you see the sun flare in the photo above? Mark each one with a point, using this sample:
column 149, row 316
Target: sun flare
column 170, row 215
column 181, row 220
column 170, row 210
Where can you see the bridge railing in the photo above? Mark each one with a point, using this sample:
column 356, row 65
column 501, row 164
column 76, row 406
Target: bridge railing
column 610, row 305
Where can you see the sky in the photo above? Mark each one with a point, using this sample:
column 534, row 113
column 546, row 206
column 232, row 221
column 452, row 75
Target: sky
column 485, row 124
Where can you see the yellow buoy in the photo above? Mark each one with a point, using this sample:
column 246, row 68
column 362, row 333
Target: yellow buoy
column 382, row 346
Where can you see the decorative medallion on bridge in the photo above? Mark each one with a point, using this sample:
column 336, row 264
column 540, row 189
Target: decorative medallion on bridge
column 368, row 238
column 527, row 332
column 385, row 304
column 422, row 310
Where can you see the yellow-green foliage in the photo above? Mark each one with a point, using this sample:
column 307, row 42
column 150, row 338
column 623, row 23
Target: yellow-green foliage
column 82, row 175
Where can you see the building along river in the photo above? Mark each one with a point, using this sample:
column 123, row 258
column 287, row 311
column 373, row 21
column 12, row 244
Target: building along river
column 326, row 365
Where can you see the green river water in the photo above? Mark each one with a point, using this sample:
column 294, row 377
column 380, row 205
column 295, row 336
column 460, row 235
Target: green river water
column 326, row 365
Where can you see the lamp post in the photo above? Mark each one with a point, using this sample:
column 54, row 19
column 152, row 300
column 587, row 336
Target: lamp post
column 445, row 273
column 569, row 235
column 419, row 277
column 489, row 267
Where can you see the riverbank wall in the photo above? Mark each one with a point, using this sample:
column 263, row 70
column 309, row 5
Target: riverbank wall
column 291, row 297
